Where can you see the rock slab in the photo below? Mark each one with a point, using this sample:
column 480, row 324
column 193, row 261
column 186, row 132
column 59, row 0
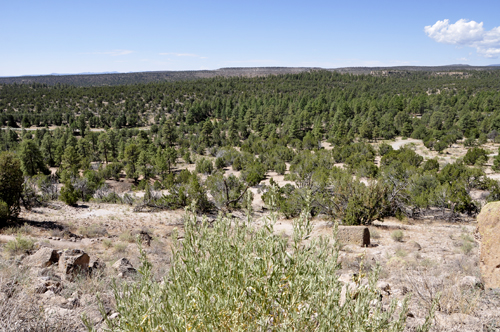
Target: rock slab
column 488, row 226
column 359, row 235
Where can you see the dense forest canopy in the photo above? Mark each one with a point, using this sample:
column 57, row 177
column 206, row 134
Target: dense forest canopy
column 143, row 130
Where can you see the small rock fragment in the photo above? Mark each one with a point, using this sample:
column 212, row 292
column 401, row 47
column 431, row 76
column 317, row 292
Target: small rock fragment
column 124, row 268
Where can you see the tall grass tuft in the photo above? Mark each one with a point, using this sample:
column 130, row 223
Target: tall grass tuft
column 231, row 276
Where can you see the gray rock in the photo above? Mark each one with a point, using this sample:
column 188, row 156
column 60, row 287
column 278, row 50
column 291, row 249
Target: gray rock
column 40, row 288
column 96, row 265
column 471, row 282
column 73, row 262
column 124, row 268
column 384, row 287
column 414, row 245
column 71, row 303
column 44, row 257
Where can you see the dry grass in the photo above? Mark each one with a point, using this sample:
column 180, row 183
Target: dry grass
column 93, row 231
column 22, row 314
column 107, row 243
column 19, row 246
column 24, row 229
column 120, row 247
column 443, row 288
column 127, row 237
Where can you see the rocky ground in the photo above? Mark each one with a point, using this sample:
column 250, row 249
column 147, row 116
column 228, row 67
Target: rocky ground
column 44, row 290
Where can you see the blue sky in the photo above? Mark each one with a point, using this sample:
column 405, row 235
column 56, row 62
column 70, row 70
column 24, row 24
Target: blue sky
column 43, row 37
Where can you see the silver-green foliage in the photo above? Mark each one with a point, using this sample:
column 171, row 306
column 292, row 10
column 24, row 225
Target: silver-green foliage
column 231, row 276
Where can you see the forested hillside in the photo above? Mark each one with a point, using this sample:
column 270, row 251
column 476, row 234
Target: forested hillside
column 89, row 136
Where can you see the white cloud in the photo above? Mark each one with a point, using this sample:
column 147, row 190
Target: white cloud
column 466, row 33
column 113, row 53
column 182, row 54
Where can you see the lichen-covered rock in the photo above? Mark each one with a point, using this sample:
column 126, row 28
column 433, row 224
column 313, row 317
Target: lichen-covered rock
column 44, row 257
column 73, row 261
column 359, row 235
column 488, row 226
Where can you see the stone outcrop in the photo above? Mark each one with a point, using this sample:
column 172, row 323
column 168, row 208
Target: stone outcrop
column 44, row 257
column 358, row 235
column 488, row 226
column 72, row 262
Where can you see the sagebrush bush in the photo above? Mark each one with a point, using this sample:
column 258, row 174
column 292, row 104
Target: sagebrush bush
column 230, row 276
column 397, row 235
column 19, row 245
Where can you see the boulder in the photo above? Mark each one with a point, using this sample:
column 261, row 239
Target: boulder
column 73, row 262
column 124, row 268
column 358, row 235
column 488, row 226
column 42, row 258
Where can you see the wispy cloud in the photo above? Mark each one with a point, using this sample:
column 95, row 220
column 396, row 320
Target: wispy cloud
column 113, row 53
column 190, row 55
column 467, row 33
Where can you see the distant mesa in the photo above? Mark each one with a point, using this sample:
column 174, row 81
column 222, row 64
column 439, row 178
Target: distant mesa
column 115, row 78
column 85, row 73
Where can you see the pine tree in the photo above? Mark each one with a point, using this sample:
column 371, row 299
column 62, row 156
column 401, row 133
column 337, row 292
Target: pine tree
column 31, row 158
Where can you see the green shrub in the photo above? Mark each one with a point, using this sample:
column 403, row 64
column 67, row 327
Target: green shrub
column 254, row 173
column 187, row 157
column 227, row 277
column 11, row 185
column 280, row 167
column 68, row 194
column 19, row 245
column 384, row 149
column 4, row 210
column 397, row 235
column 220, row 163
column 227, row 192
column 204, row 166
column 474, row 154
column 431, row 165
